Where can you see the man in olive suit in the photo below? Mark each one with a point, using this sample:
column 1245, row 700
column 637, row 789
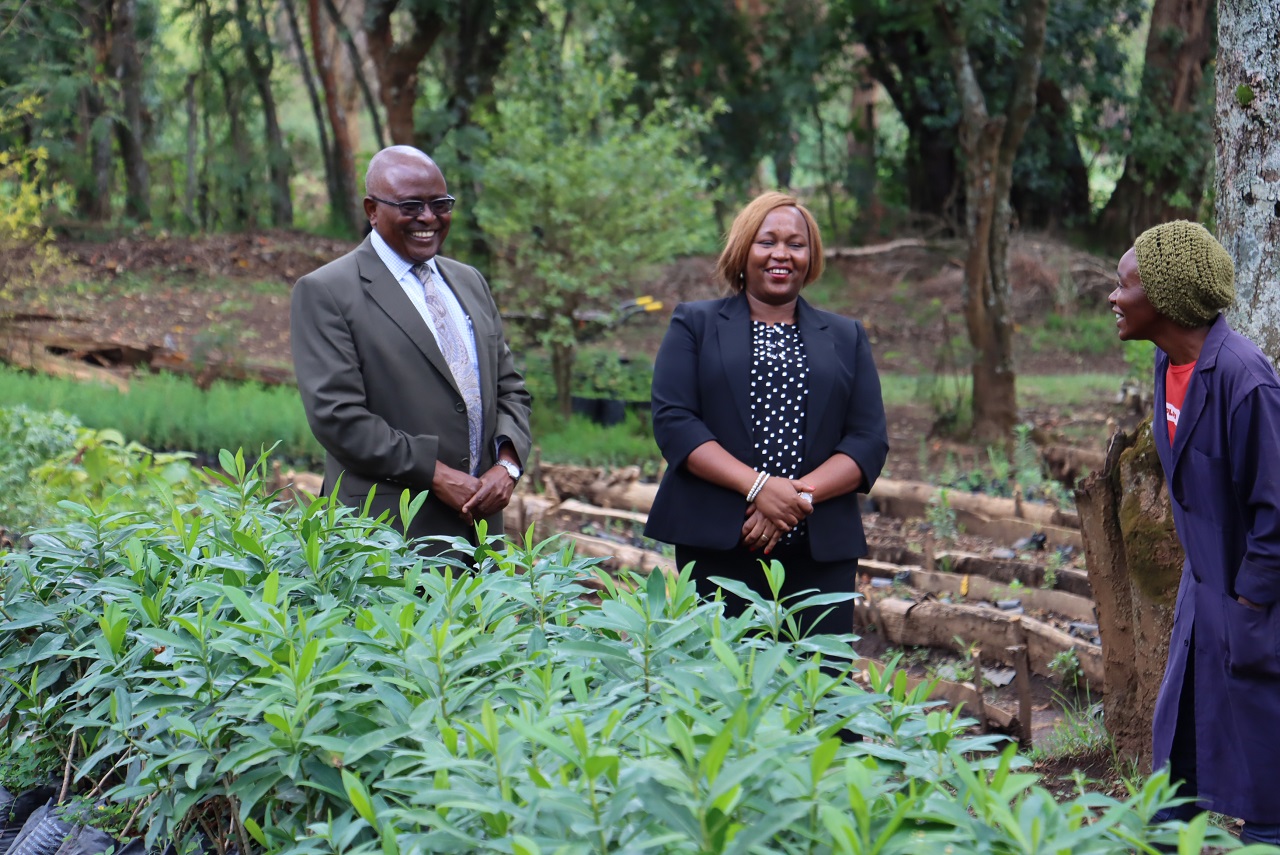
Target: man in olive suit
column 406, row 378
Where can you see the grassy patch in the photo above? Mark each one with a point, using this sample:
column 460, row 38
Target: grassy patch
column 1066, row 390
column 167, row 412
column 1086, row 334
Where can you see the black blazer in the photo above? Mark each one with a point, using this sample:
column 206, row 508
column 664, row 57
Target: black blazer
column 701, row 393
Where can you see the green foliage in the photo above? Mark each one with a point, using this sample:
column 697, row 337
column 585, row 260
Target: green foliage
column 27, row 192
column 164, row 411
column 299, row 680
column 30, row 438
column 942, row 517
column 583, row 442
column 103, row 471
column 1080, row 732
column 1065, row 665
column 1086, row 334
column 584, row 195
column 1244, row 95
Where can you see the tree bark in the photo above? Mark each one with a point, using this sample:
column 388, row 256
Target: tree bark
column 253, row 35
column 357, row 70
column 1135, row 563
column 126, row 64
column 1163, row 177
column 1248, row 176
column 397, row 64
column 193, row 148
column 990, row 145
column 332, row 184
column 348, row 206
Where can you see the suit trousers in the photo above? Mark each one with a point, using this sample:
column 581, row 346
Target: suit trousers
column 802, row 573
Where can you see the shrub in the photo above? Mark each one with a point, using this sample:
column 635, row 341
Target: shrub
column 254, row 677
column 30, row 438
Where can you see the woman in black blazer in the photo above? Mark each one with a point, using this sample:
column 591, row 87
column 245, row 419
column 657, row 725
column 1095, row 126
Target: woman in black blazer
column 768, row 412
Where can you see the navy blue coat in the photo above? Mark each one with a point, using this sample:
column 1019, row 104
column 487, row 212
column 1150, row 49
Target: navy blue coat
column 701, row 393
column 1223, row 475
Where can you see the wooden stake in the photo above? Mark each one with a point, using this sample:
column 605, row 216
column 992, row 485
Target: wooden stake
column 980, row 703
column 1023, row 668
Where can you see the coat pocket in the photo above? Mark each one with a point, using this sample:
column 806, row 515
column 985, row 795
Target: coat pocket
column 1252, row 645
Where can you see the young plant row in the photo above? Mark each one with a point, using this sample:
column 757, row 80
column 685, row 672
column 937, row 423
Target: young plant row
column 236, row 674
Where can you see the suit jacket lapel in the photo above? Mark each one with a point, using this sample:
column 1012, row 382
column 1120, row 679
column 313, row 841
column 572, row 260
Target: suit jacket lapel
column 733, row 332
column 390, row 297
column 820, row 353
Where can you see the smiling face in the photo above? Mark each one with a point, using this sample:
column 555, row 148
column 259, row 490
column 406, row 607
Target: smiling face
column 399, row 178
column 778, row 260
column 1136, row 318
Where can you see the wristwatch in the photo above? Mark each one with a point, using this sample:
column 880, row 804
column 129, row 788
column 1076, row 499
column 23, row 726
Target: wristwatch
column 512, row 469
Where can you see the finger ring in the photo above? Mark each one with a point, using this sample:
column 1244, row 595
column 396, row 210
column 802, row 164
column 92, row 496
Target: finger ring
column 808, row 497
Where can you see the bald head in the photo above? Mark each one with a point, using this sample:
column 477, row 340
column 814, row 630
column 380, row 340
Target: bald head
column 394, row 158
column 399, row 174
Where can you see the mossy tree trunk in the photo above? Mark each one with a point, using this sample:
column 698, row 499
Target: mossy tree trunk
column 1134, row 561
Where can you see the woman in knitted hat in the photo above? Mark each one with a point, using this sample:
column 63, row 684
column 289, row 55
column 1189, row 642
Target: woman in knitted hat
column 1219, row 704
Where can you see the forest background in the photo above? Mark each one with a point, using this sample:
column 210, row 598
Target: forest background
column 591, row 142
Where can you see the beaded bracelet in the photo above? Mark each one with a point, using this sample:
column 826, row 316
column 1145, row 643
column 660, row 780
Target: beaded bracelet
column 757, row 486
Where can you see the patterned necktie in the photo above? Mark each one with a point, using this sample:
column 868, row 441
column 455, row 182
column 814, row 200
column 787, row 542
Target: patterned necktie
column 453, row 345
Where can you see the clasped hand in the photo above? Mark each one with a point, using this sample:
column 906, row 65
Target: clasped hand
column 779, row 507
column 473, row 498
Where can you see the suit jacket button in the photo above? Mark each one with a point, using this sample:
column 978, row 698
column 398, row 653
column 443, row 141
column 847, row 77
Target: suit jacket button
column 466, row 463
column 459, row 407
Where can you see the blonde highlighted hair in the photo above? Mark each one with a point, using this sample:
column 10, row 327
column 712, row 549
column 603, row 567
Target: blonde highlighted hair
column 732, row 265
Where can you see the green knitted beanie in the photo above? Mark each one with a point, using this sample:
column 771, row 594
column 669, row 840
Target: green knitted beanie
column 1186, row 273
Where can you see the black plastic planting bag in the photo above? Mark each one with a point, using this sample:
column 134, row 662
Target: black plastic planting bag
column 41, row 834
column 84, row 840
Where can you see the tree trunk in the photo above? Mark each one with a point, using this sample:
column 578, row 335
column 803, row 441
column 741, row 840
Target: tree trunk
column 193, row 149
column 127, row 68
column 1248, row 176
column 357, row 70
column 242, row 211
column 990, row 145
column 1135, row 563
column 260, row 68
column 1172, row 116
column 397, row 64
column 562, row 373
column 332, row 184
column 348, row 206
column 93, row 192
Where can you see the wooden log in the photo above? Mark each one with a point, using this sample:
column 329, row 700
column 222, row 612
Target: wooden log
column 957, row 694
column 933, row 624
column 24, row 352
column 981, row 588
column 913, row 498
column 620, row 555
column 874, row 249
column 1069, row 579
column 632, row 495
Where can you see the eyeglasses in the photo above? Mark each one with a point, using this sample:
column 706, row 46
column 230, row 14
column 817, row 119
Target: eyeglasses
column 439, row 206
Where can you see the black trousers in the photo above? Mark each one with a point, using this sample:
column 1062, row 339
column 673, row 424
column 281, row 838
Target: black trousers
column 802, row 573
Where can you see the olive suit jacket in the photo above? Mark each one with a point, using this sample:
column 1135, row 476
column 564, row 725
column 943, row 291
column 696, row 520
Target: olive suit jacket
column 378, row 392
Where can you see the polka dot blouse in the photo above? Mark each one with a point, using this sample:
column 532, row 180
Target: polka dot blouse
column 779, row 398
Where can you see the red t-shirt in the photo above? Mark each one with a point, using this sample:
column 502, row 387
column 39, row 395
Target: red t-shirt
column 1176, row 380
